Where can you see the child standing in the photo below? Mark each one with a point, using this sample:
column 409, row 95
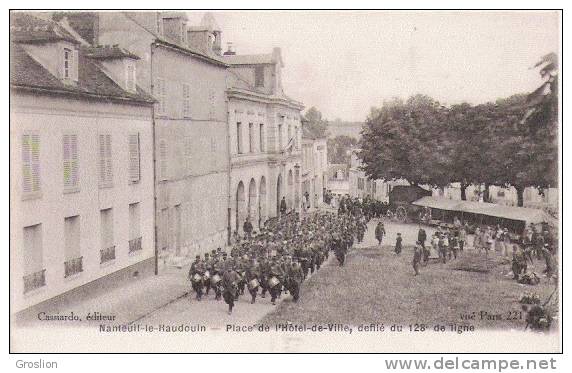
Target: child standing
column 398, row 244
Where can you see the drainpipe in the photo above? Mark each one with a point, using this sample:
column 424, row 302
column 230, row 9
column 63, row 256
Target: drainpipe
column 154, row 170
column 229, row 210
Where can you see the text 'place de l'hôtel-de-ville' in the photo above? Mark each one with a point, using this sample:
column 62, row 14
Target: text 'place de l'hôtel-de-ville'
column 137, row 142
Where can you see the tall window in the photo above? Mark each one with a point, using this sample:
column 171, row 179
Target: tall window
column 68, row 63
column 105, row 161
column 239, row 137
column 159, row 93
column 261, row 139
column 186, row 100
column 107, row 251
column 163, row 169
column 134, row 227
column 259, row 76
column 250, row 137
column 34, row 272
column 30, row 164
column 131, row 82
column 71, row 163
column 73, row 260
column 280, row 124
column 134, row 158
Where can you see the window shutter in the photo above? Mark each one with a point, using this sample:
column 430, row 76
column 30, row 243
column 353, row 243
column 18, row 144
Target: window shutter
column 163, row 159
column 35, row 162
column 160, row 95
column 108, row 161
column 101, row 159
column 186, row 100
column 74, row 161
column 26, row 164
column 134, row 170
column 75, row 65
column 67, row 162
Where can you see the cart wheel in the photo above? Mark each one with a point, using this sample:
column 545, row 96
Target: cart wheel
column 401, row 214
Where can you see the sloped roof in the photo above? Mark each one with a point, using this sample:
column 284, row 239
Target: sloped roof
column 249, row 59
column 109, row 52
column 25, row 72
column 527, row 215
column 27, row 28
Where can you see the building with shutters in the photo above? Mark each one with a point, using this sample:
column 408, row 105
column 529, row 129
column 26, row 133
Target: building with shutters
column 314, row 168
column 81, row 163
column 265, row 139
column 182, row 67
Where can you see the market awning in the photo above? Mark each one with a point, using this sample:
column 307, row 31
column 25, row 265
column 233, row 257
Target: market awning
column 527, row 215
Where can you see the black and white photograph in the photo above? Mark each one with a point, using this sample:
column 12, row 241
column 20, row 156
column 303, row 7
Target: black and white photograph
column 285, row 181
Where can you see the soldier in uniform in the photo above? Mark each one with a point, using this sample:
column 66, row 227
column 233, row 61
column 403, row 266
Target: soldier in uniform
column 295, row 278
column 218, row 268
column 253, row 273
column 276, row 270
column 379, row 232
column 230, row 286
column 247, row 228
column 208, row 268
column 340, row 249
column 196, row 273
column 264, row 273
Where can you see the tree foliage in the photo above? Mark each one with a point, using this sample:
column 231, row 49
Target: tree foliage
column 316, row 125
column 511, row 142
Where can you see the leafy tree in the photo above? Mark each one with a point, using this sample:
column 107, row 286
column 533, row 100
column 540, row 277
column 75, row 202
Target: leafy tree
column 315, row 123
column 407, row 140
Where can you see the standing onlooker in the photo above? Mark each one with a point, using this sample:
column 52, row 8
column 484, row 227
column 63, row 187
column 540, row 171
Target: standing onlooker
column 417, row 257
column 477, row 239
column 379, row 232
column 462, row 237
column 398, row 244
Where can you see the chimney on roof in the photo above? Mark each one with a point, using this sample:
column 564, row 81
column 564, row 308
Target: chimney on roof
column 229, row 50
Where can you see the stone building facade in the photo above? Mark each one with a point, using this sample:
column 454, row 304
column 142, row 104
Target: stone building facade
column 264, row 139
column 81, row 164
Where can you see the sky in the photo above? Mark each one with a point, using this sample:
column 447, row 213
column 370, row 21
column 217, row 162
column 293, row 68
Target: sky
column 346, row 62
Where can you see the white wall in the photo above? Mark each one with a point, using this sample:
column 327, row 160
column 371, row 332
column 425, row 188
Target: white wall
column 51, row 117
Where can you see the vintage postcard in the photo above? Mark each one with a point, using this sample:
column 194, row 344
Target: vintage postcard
column 285, row 181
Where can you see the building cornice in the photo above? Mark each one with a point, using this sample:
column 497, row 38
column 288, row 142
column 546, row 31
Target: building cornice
column 243, row 94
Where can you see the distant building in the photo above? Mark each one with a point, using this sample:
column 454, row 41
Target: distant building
column 81, row 163
column 503, row 196
column 361, row 186
column 265, row 139
column 314, row 169
column 343, row 128
column 338, row 179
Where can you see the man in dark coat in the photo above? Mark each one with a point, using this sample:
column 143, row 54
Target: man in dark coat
column 422, row 237
column 379, row 232
column 398, row 244
column 230, row 285
column 247, row 227
column 295, row 278
column 283, row 206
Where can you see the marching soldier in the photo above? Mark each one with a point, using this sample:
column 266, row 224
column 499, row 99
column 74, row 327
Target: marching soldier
column 230, row 285
column 196, row 273
column 276, row 274
column 295, row 278
column 208, row 273
column 253, row 278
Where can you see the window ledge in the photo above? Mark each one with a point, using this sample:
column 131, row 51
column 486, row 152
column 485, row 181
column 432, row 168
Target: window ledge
column 71, row 278
column 36, row 291
column 31, row 195
column 71, row 190
column 109, row 263
column 105, row 186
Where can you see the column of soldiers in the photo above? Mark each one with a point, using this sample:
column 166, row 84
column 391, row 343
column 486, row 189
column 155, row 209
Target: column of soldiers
column 275, row 260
